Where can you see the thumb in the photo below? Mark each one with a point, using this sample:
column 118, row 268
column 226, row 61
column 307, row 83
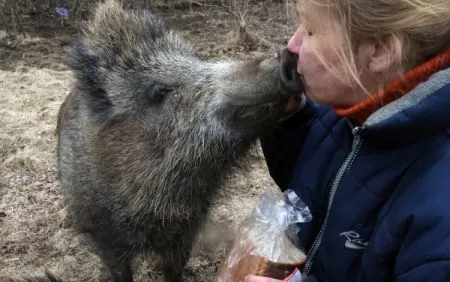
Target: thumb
column 253, row 278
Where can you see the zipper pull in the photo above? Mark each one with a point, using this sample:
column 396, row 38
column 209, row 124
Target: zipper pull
column 357, row 130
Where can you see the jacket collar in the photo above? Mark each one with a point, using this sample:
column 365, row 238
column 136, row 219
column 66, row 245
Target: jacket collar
column 423, row 111
column 396, row 88
column 415, row 105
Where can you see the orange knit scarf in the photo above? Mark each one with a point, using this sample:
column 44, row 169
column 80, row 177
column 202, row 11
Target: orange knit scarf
column 396, row 89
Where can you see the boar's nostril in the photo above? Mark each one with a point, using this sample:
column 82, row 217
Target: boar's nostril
column 290, row 79
column 290, row 74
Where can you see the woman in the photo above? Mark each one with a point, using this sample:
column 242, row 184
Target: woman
column 369, row 152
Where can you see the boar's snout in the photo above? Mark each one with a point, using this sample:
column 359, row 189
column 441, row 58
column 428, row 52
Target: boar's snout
column 287, row 69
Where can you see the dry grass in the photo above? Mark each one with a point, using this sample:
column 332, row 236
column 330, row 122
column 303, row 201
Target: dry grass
column 32, row 204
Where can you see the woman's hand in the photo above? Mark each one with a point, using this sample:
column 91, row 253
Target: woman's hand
column 253, row 278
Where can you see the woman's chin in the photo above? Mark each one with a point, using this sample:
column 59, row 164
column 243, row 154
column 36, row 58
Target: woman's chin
column 318, row 99
column 313, row 98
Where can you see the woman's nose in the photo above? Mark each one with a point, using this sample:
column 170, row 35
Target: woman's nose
column 296, row 41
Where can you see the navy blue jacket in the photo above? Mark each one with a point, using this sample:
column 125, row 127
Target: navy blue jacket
column 379, row 193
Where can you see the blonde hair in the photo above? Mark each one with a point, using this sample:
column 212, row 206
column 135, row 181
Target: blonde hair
column 420, row 28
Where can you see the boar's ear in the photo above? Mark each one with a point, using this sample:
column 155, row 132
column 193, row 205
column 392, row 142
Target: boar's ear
column 86, row 68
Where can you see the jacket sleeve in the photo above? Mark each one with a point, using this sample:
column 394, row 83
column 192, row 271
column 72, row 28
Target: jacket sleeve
column 282, row 146
column 424, row 254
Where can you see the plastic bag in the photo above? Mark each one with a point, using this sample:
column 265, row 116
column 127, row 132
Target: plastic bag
column 267, row 243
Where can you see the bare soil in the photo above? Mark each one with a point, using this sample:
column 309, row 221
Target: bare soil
column 34, row 235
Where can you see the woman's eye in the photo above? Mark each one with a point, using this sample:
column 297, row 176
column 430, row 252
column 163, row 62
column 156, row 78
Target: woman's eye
column 307, row 30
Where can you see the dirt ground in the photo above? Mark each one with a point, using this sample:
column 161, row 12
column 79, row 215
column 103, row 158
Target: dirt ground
column 33, row 83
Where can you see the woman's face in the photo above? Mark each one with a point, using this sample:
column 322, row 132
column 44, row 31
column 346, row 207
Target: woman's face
column 322, row 86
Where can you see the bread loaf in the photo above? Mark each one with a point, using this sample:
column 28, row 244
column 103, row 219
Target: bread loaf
column 246, row 258
column 263, row 246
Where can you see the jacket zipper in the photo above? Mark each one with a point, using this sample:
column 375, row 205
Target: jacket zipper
column 357, row 141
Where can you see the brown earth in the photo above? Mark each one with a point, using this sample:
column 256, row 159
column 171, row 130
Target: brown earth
column 33, row 83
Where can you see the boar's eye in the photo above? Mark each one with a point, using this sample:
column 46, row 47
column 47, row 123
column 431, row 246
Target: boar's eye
column 156, row 94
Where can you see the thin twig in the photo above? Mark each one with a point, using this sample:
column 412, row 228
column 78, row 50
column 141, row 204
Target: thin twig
column 221, row 6
column 13, row 20
column 3, row 18
column 16, row 15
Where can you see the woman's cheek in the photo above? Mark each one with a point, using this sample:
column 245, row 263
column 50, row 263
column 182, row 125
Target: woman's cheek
column 304, row 66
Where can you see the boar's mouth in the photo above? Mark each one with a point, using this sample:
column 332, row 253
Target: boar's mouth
column 267, row 100
column 284, row 107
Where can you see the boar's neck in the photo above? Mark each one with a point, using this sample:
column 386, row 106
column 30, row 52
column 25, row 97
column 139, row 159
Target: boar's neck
column 173, row 182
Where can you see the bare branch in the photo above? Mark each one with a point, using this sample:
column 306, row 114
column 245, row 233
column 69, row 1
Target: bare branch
column 225, row 8
column 3, row 20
